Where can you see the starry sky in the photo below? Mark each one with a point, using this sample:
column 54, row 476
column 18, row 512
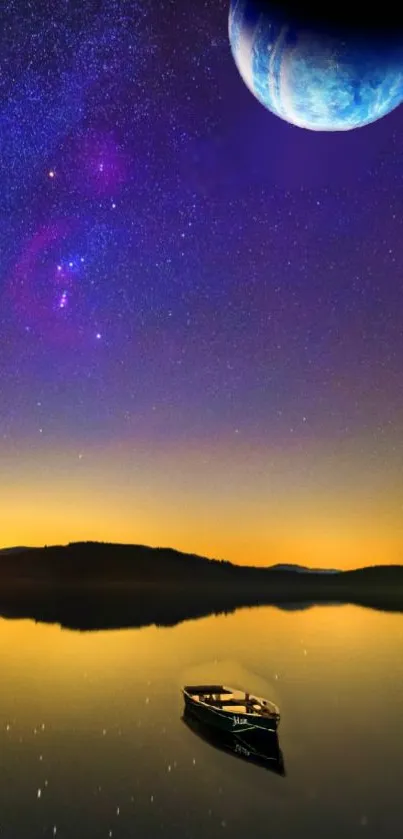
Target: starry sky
column 201, row 307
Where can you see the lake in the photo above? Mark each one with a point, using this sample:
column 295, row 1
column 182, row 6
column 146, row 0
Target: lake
column 92, row 743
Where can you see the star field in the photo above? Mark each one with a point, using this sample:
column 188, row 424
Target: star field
column 177, row 266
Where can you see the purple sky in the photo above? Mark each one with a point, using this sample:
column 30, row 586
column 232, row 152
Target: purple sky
column 220, row 271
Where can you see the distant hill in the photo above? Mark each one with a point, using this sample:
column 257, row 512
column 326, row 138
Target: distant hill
column 302, row 569
column 111, row 559
column 14, row 550
column 91, row 585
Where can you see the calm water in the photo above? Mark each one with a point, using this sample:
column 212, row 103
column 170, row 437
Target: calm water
column 92, row 743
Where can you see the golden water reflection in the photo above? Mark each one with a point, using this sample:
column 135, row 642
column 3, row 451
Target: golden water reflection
column 97, row 717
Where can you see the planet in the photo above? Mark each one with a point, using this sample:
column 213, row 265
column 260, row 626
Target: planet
column 315, row 78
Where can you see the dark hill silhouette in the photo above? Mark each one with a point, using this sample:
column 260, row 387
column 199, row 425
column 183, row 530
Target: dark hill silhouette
column 303, row 569
column 14, row 550
column 92, row 585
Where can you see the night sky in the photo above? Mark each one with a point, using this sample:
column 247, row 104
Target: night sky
column 201, row 309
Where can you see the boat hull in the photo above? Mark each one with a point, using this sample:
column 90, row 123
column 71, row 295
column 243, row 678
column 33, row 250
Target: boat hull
column 258, row 747
column 227, row 720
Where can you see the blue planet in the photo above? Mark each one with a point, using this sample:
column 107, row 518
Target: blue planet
column 312, row 78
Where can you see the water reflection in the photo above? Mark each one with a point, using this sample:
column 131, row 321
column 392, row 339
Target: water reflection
column 93, row 721
column 256, row 746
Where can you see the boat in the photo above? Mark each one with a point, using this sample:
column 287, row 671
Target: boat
column 258, row 746
column 230, row 709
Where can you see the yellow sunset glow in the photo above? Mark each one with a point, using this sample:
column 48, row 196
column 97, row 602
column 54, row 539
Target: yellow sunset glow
column 322, row 506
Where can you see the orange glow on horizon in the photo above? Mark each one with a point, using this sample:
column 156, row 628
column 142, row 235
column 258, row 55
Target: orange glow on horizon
column 246, row 503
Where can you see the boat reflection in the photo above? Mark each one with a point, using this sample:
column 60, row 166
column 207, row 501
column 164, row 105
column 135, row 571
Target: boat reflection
column 257, row 746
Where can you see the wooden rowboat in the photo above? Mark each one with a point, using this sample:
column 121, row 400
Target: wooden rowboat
column 230, row 709
column 257, row 746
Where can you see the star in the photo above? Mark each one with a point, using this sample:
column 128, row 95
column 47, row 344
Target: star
column 249, row 288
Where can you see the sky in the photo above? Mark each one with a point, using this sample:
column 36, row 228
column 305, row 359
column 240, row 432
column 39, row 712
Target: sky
column 201, row 306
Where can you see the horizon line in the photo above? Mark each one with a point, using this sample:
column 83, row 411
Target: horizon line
column 22, row 548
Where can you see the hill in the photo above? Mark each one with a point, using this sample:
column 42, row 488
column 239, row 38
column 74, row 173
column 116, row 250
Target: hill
column 302, row 569
column 16, row 550
column 98, row 585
